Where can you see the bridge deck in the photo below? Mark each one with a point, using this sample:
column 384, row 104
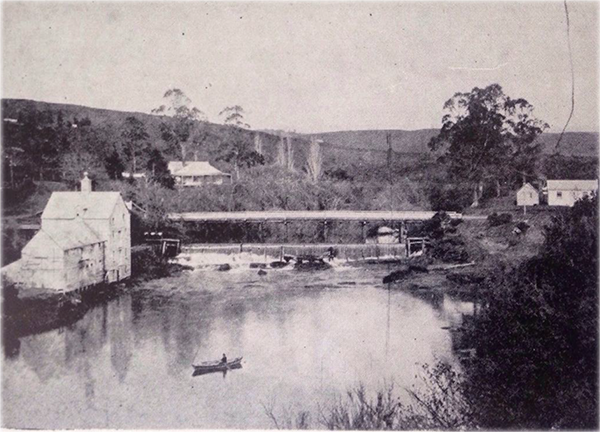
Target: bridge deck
column 342, row 215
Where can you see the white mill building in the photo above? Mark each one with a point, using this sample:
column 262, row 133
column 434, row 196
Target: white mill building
column 84, row 239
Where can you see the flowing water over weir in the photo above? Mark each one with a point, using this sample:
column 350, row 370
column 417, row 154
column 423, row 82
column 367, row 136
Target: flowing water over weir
column 306, row 338
column 346, row 252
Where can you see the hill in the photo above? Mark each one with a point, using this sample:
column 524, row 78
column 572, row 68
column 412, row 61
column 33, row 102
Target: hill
column 403, row 141
column 573, row 143
column 110, row 122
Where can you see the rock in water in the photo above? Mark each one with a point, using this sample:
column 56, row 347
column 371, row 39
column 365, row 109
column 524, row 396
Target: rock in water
column 261, row 272
column 224, row 267
column 397, row 275
column 258, row 265
column 278, row 264
column 312, row 265
column 418, row 268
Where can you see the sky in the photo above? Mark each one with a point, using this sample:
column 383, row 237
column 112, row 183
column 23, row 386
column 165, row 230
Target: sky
column 308, row 66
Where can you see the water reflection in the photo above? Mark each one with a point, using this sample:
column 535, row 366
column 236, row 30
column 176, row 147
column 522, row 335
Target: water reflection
column 126, row 364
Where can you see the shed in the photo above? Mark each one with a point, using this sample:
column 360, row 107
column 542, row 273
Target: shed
column 528, row 195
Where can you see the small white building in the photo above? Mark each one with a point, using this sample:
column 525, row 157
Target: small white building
column 197, row 173
column 528, row 196
column 566, row 192
column 127, row 174
column 84, row 239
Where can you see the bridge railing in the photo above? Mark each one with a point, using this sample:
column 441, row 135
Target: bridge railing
column 281, row 215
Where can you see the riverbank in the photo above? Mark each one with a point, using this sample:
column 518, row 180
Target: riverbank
column 28, row 311
column 464, row 257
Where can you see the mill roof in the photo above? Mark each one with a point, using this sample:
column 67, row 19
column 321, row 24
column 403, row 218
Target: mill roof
column 572, row 185
column 194, row 168
column 67, row 236
column 88, row 205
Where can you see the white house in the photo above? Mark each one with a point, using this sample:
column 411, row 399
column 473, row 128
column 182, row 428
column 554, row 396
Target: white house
column 566, row 192
column 528, row 196
column 84, row 239
column 197, row 173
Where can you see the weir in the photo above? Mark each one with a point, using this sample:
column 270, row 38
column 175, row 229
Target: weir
column 278, row 251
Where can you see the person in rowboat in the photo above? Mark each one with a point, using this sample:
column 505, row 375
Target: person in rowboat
column 224, row 359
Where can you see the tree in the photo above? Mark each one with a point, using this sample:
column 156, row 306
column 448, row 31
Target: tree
column 281, row 160
column 258, row 144
column 486, row 135
column 158, row 169
column 181, row 130
column 135, row 141
column 239, row 152
column 114, row 165
column 234, row 116
column 14, row 157
column 314, row 161
column 289, row 153
column 74, row 164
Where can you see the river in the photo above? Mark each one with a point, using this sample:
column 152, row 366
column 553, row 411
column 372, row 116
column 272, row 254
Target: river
column 305, row 337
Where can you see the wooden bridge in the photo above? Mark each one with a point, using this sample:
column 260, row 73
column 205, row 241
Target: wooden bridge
column 310, row 215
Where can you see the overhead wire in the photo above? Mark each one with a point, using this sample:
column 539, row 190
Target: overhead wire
column 572, row 78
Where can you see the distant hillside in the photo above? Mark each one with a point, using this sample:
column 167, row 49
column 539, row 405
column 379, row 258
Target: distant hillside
column 366, row 145
column 573, row 143
column 111, row 121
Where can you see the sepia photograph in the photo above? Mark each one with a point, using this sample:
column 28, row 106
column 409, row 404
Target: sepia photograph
column 322, row 215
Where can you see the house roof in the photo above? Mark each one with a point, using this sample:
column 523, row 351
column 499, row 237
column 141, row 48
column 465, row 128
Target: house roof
column 528, row 186
column 67, row 236
column 572, row 185
column 194, row 168
column 88, row 205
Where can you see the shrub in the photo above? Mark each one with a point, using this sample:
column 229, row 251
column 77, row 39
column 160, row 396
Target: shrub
column 499, row 219
column 450, row 250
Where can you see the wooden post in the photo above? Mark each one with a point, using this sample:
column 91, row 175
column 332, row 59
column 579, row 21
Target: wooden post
column 325, row 230
column 260, row 232
column 285, row 224
column 403, row 231
column 362, row 226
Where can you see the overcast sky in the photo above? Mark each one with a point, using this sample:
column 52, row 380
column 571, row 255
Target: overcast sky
column 307, row 67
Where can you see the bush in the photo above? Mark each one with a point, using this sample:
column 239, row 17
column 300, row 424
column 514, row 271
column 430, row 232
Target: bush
column 523, row 227
column 450, row 250
column 499, row 219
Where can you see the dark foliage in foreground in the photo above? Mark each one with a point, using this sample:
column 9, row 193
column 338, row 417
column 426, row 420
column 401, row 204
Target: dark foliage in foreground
column 537, row 337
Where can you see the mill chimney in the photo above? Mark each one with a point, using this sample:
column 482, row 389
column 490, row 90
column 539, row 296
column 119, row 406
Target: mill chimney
column 86, row 183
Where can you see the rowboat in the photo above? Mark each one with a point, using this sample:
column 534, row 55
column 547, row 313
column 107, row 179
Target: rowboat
column 217, row 366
